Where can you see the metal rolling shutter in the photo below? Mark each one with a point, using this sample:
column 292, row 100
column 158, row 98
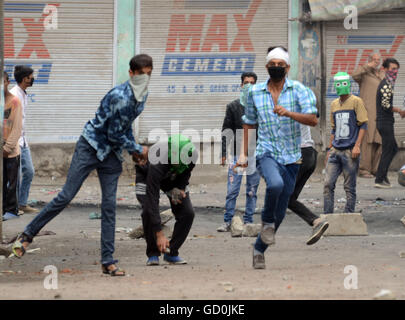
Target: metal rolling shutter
column 177, row 90
column 73, row 64
column 381, row 31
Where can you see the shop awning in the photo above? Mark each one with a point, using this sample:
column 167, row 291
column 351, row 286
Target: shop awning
column 322, row 10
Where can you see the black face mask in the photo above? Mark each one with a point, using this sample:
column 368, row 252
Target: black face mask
column 276, row 73
column 32, row 81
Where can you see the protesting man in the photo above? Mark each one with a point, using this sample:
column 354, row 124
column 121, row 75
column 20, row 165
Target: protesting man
column 385, row 121
column 24, row 76
column 277, row 106
column 168, row 169
column 232, row 123
column 100, row 147
column 12, row 128
column 369, row 77
column 348, row 118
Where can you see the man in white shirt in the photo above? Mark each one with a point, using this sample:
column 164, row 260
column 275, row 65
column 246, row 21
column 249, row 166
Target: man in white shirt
column 24, row 77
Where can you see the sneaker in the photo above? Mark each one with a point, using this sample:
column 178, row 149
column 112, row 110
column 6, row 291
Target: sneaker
column 28, row 209
column 382, row 185
column 258, row 260
column 267, row 235
column 387, row 182
column 9, row 216
column 153, row 261
column 318, row 231
column 225, row 227
column 174, row 259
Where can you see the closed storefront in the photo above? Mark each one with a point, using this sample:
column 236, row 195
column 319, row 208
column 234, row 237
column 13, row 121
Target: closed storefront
column 200, row 48
column 382, row 33
column 69, row 44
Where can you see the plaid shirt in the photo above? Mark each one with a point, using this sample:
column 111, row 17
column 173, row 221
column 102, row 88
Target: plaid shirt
column 111, row 129
column 279, row 136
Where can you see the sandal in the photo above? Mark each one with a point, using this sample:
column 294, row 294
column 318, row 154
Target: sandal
column 18, row 244
column 112, row 273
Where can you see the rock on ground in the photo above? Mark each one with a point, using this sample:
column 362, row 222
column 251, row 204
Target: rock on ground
column 236, row 226
column 251, row 229
column 165, row 217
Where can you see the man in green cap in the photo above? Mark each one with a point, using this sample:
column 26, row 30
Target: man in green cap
column 349, row 123
column 168, row 169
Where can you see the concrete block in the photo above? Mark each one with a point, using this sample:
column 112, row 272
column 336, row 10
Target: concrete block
column 251, row 230
column 345, row 224
column 236, row 226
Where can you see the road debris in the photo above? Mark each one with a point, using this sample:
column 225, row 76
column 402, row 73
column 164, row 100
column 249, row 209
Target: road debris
column 165, row 217
column 208, row 236
column 251, row 229
column 236, row 226
column 33, row 250
column 94, row 215
column 384, row 294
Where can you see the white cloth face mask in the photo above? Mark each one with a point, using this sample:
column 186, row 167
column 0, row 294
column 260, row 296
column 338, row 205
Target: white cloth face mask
column 139, row 84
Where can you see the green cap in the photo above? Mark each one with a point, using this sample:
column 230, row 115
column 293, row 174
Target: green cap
column 176, row 144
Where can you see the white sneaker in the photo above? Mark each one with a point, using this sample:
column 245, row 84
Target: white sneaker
column 225, row 227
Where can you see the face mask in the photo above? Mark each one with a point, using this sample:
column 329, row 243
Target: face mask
column 31, row 82
column 139, row 84
column 342, row 83
column 392, row 75
column 276, row 73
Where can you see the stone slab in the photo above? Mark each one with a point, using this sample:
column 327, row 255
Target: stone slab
column 345, row 224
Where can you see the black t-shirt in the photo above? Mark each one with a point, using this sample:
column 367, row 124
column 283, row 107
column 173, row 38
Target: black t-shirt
column 384, row 102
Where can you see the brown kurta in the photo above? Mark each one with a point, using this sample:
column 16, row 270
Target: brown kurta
column 12, row 127
column 368, row 79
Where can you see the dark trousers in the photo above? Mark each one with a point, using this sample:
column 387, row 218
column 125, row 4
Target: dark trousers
column 10, row 176
column 183, row 213
column 309, row 157
column 389, row 149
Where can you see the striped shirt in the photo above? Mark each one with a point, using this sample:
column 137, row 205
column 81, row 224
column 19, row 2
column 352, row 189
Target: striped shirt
column 279, row 136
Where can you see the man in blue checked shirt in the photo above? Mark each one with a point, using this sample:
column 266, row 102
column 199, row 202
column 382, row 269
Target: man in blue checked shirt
column 277, row 106
column 100, row 147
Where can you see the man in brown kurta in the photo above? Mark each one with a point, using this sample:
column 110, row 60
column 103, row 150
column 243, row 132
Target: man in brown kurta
column 369, row 77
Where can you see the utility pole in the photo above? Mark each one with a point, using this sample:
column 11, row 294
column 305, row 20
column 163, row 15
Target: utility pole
column 1, row 115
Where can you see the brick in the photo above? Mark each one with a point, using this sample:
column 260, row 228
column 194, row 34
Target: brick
column 345, row 224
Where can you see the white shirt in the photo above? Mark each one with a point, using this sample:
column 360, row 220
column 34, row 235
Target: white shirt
column 306, row 139
column 22, row 95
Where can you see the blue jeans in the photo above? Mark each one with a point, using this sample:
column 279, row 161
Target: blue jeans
column 280, row 182
column 26, row 175
column 83, row 162
column 233, row 188
column 340, row 161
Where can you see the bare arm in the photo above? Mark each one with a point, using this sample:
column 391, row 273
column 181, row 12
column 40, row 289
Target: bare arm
column 304, row 118
column 356, row 148
column 247, row 137
column 307, row 119
column 248, row 131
